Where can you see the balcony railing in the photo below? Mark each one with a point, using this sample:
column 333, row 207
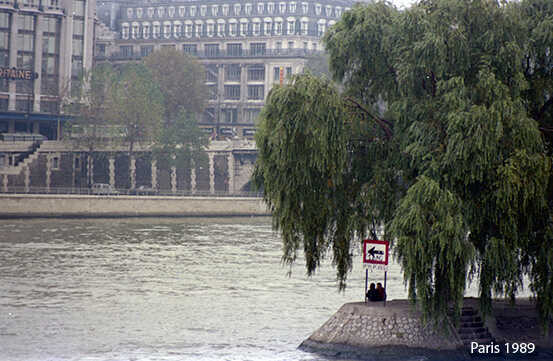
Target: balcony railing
column 246, row 53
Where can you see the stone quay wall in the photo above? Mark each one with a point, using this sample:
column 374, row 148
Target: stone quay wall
column 378, row 329
column 39, row 205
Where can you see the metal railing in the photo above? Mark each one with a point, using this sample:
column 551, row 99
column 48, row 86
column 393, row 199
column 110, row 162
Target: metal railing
column 124, row 192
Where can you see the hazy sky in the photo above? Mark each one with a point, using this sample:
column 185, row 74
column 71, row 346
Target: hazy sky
column 402, row 3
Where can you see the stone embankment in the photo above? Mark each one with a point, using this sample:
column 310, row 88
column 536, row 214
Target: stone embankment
column 394, row 331
column 379, row 331
column 35, row 205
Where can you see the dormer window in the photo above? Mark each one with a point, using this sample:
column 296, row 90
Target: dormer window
column 237, row 9
column 214, row 10
column 270, row 8
column 203, row 10
column 304, row 8
column 139, row 13
column 129, row 13
column 248, row 9
column 282, row 8
column 171, row 11
column 292, row 7
column 338, row 11
column 150, row 12
column 260, row 8
column 192, row 11
column 318, row 9
column 182, row 11
column 160, row 12
column 328, row 10
column 225, row 10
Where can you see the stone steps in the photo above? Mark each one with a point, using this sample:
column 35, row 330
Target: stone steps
column 472, row 328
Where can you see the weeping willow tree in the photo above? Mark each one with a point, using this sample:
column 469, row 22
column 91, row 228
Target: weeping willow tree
column 440, row 133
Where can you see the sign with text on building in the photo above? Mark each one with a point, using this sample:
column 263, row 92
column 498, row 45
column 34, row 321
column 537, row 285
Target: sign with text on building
column 17, row 74
column 375, row 254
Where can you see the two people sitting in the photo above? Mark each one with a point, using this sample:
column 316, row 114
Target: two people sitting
column 376, row 293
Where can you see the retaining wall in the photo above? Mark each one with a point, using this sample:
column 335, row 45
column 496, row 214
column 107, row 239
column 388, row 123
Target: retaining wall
column 23, row 205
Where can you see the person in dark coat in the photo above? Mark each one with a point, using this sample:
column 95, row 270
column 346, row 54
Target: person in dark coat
column 372, row 294
column 381, row 291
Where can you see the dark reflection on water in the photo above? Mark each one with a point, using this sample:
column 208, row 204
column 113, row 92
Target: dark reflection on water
column 160, row 289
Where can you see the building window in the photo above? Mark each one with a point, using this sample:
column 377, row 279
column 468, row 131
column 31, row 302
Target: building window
column 256, row 92
column 150, row 12
column 199, row 30
column 270, row 8
column 268, row 27
column 160, row 12
column 328, row 10
column 230, row 115
column 290, row 45
column 214, row 10
column 256, row 72
column 338, row 11
column 209, row 115
column 210, row 29
column 177, row 29
column 212, row 92
column 171, row 11
column 167, row 30
column 320, row 29
column 304, row 27
column 237, row 8
column 292, row 7
column 233, row 29
column 234, row 49
column 232, row 72
column 282, row 8
column 291, row 27
column 318, row 9
column 250, row 115
column 191, row 49
column 203, row 10
column 304, row 8
column 276, row 73
column 248, row 9
column 146, row 31
column 288, row 71
column 243, row 29
column 257, row 49
column 232, row 92
column 56, row 163
column 192, row 11
column 221, row 29
column 211, row 73
column 225, row 10
column 260, row 8
column 256, row 28
column 278, row 27
column 188, row 30
column 211, row 50
column 156, row 31
column 146, row 50
column 126, row 51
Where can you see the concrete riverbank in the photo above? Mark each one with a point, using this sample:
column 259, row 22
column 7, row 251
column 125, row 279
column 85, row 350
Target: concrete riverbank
column 42, row 205
column 395, row 331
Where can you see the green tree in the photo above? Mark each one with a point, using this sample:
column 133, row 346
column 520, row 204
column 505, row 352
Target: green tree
column 136, row 107
column 181, row 143
column 89, row 128
column 438, row 135
column 181, row 79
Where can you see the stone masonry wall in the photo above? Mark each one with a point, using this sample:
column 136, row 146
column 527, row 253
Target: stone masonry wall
column 373, row 325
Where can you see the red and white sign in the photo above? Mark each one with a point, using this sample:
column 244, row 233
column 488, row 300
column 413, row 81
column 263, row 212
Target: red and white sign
column 375, row 252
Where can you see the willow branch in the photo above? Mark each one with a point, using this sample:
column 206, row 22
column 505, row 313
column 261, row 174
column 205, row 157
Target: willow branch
column 383, row 123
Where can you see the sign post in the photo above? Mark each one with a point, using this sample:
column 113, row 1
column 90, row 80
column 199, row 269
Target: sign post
column 375, row 258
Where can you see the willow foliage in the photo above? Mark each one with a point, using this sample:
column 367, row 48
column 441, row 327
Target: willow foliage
column 441, row 133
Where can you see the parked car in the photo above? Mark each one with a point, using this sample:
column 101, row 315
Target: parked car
column 145, row 191
column 103, row 189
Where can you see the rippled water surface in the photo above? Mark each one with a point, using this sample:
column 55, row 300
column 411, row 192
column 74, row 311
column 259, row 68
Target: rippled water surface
column 160, row 289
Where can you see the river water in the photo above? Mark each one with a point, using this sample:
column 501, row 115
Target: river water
column 161, row 289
